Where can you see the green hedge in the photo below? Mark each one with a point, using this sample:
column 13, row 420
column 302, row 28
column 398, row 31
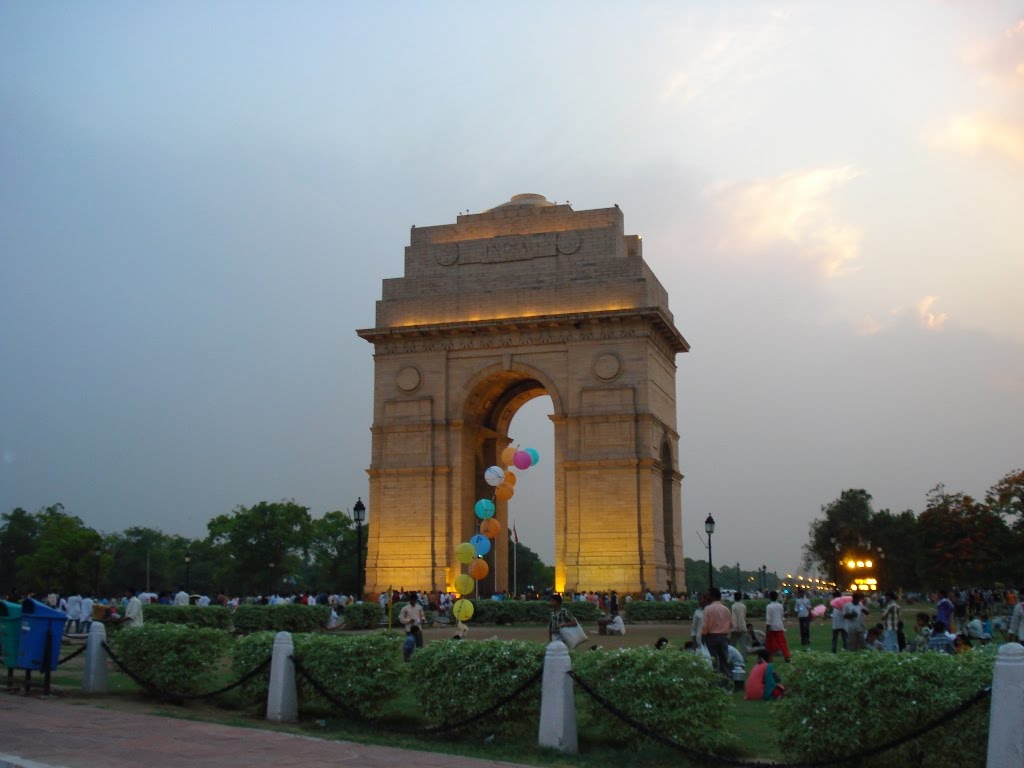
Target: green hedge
column 526, row 611
column 363, row 616
column 366, row 672
column 174, row 658
column 281, row 618
column 838, row 704
column 675, row 694
column 656, row 610
column 213, row 616
column 453, row 680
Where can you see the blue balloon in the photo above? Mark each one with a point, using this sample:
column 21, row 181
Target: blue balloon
column 484, row 509
column 533, row 455
column 481, row 544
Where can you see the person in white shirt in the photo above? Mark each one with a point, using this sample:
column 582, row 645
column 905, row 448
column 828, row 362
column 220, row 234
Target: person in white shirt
column 86, row 614
column 203, row 601
column 616, row 626
column 133, row 611
column 1016, row 632
column 803, row 615
column 74, row 613
column 181, row 597
column 775, row 634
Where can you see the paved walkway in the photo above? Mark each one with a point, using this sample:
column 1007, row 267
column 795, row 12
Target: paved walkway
column 49, row 733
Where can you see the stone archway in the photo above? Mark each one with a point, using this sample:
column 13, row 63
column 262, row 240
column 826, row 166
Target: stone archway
column 526, row 299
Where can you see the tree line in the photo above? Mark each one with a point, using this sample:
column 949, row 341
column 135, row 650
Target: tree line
column 956, row 541
column 262, row 549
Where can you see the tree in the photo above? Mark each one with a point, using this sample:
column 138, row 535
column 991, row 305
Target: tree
column 332, row 554
column 961, row 541
column 532, row 573
column 19, row 533
column 63, row 558
column 260, row 546
column 145, row 558
column 846, row 525
column 897, row 536
column 1006, row 498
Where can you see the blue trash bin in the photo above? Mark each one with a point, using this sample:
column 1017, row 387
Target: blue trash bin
column 41, row 631
column 10, row 632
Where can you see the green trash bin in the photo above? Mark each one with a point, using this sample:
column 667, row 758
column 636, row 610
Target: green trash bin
column 10, row 631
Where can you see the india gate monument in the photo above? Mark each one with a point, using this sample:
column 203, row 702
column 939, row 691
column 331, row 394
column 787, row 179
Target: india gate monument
column 529, row 298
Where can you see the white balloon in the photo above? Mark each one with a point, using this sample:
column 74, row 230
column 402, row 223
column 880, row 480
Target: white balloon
column 494, row 476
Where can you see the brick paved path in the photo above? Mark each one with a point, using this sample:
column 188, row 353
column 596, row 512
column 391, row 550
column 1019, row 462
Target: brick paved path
column 56, row 733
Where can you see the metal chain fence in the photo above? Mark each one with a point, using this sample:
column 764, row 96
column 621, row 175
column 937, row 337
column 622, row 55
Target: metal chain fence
column 428, row 730
column 177, row 697
column 707, row 757
column 72, row 655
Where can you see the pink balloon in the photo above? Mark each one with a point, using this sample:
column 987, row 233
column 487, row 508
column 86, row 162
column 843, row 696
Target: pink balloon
column 522, row 460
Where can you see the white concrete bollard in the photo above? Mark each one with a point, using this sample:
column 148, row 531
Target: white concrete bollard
column 282, row 699
column 557, row 702
column 1006, row 713
column 94, row 679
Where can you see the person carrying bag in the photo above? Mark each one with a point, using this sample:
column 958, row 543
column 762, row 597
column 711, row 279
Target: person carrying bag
column 563, row 626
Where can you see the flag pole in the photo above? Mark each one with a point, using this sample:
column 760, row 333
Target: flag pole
column 515, row 562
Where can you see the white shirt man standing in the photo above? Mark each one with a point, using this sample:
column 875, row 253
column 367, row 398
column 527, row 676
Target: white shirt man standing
column 181, row 597
column 133, row 611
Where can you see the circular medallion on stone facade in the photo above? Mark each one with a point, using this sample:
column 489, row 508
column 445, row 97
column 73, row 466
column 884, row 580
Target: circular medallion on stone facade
column 408, row 379
column 607, row 366
column 447, row 254
column 569, row 241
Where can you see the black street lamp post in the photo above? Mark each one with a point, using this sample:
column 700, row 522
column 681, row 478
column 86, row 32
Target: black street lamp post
column 359, row 514
column 270, row 581
column 709, row 528
column 739, row 584
column 835, row 552
column 764, row 578
column 98, row 553
column 188, row 572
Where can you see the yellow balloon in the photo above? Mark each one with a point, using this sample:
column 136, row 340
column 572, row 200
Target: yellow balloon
column 490, row 528
column 462, row 610
column 507, row 456
column 504, row 492
column 465, row 553
column 479, row 569
column 464, row 584
column 510, row 477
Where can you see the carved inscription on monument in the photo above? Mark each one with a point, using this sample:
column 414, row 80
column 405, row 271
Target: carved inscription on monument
column 505, row 248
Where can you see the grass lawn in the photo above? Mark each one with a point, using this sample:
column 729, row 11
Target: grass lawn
column 753, row 721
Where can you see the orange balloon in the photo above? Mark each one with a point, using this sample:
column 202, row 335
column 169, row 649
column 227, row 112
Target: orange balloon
column 490, row 528
column 510, row 477
column 478, row 569
column 507, row 456
column 504, row 492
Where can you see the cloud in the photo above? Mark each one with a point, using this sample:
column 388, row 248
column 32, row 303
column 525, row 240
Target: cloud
column 792, row 210
column 1000, row 131
column 973, row 134
column 930, row 320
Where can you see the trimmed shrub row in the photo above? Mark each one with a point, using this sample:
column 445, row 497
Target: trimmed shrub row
column 874, row 696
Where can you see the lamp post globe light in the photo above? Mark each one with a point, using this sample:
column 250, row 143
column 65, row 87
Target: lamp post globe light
column 359, row 515
column 709, row 528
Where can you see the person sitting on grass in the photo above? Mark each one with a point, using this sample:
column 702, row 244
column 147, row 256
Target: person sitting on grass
column 755, row 638
column 763, row 685
column 616, row 626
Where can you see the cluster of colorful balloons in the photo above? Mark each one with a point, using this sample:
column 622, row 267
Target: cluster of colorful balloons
column 472, row 552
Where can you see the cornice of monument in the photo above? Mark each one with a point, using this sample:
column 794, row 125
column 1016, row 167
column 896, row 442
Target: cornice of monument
column 558, row 328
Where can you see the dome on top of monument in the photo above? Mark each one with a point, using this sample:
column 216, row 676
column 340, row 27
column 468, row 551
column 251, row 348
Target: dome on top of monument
column 527, row 198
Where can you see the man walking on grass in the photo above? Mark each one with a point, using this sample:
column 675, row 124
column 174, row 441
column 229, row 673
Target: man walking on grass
column 715, row 630
column 775, row 636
